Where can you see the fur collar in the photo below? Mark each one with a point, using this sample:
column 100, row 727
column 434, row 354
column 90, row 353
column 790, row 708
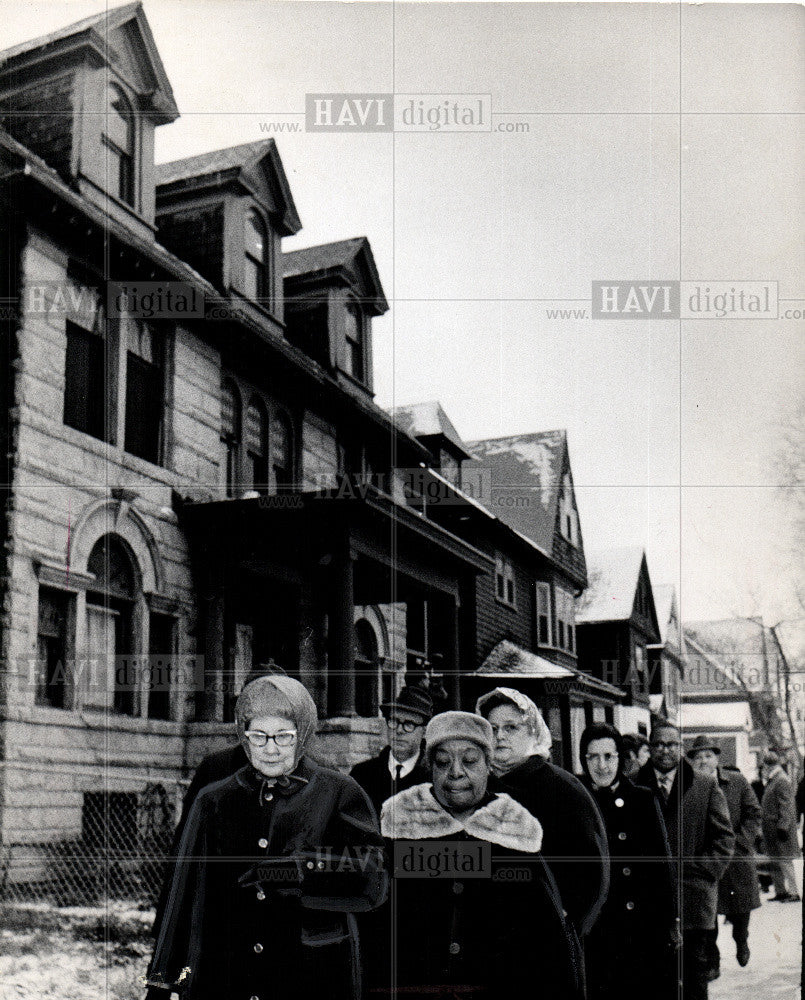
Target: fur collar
column 416, row 815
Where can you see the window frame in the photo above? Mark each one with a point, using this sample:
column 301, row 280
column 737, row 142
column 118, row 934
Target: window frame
column 263, row 269
column 544, row 610
column 232, row 438
column 125, row 187
column 357, row 344
column 505, row 581
column 260, row 485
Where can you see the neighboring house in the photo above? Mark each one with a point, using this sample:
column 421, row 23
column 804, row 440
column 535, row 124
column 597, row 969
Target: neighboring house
column 666, row 658
column 189, row 494
column 715, row 702
column 751, row 653
column 616, row 622
column 516, row 505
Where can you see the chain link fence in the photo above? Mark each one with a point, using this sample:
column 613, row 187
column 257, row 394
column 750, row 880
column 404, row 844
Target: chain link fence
column 118, row 854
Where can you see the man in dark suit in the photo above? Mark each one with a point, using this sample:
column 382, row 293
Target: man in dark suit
column 702, row 843
column 399, row 764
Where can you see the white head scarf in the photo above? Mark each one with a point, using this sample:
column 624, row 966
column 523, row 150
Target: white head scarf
column 541, row 735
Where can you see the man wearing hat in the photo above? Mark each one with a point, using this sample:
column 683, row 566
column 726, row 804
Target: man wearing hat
column 738, row 889
column 400, row 764
column 780, row 827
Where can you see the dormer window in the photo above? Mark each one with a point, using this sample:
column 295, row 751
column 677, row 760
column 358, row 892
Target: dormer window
column 355, row 352
column 119, row 140
column 255, row 283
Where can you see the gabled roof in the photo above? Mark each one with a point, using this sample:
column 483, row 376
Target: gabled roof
column 613, row 576
column 707, row 672
column 526, row 479
column 235, row 160
column 97, row 30
column 729, row 636
column 427, row 420
column 343, row 261
column 665, row 604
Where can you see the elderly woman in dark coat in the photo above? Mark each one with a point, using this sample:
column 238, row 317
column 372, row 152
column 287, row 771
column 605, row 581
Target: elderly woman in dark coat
column 272, row 866
column 476, row 909
column 574, row 840
column 630, row 953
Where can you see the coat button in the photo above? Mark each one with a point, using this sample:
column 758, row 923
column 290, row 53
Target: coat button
column 621, row 836
column 320, row 865
column 630, row 905
column 258, row 948
column 455, row 947
column 309, row 865
column 254, row 997
column 261, row 895
column 268, row 796
column 458, row 888
column 619, row 803
column 262, row 842
column 627, row 871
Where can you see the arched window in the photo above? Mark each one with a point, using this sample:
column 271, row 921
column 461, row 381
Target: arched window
column 282, row 451
column 119, row 140
column 110, row 622
column 257, row 444
column 367, row 670
column 255, row 283
column 230, row 432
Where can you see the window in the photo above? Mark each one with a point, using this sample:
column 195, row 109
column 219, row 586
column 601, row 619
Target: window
column 110, row 618
column 367, row 671
column 565, row 620
column 161, row 641
column 450, row 468
column 544, row 623
column 568, row 515
column 118, row 138
column 256, row 437
column 355, row 360
column 255, row 278
column 144, row 390
column 52, row 648
column 282, row 451
column 230, row 433
column 504, row 580
column 85, row 385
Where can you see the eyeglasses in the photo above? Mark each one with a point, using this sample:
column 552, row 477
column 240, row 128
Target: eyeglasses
column 257, row 738
column 508, row 728
column 406, row 725
column 606, row 758
column 659, row 745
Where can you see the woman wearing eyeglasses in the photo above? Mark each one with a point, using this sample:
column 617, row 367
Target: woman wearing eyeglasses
column 272, row 866
column 630, row 951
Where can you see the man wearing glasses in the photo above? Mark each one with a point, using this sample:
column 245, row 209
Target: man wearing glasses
column 702, row 842
column 399, row 764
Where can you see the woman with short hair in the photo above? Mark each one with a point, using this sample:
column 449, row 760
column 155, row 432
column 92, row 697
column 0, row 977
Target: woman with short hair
column 475, row 908
column 630, row 953
column 272, row 865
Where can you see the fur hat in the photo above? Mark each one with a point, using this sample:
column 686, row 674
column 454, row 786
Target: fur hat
column 458, row 726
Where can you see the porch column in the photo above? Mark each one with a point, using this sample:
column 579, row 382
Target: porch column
column 212, row 700
column 341, row 636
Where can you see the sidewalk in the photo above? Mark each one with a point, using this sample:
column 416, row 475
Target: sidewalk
column 775, row 941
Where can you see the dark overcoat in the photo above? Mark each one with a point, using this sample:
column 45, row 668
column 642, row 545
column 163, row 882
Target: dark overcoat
column 263, row 893
column 738, row 888
column 631, row 944
column 495, row 937
column 700, row 836
column 779, row 818
column 574, row 839
column 375, row 779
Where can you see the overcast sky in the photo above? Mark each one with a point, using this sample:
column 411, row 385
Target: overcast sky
column 673, row 426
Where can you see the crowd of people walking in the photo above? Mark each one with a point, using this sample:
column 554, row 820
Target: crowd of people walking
column 460, row 861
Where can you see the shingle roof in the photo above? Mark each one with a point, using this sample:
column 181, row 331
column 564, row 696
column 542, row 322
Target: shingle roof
column 322, row 257
column 510, row 659
column 613, row 575
column 109, row 18
column 425, row 419
column 525, row 473
column 216, row 161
